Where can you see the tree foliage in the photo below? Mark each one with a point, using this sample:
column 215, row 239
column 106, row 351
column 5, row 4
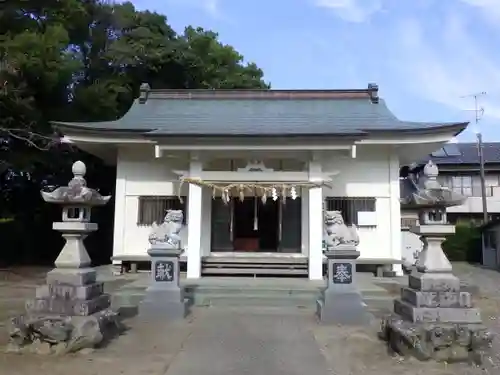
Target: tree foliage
column 465, row 245
column 84, row 60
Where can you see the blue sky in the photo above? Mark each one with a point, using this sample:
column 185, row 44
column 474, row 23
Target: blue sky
column 425, row 55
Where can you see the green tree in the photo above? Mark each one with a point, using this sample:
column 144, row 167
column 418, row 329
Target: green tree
column 211, row 64
column 84, row 60
column 465, row 244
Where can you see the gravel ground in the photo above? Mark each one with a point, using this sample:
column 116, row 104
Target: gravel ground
column 142, row 350
column 148, row 350
column 354, row 350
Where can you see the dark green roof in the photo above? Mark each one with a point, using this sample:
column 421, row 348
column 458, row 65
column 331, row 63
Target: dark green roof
column 259, row 112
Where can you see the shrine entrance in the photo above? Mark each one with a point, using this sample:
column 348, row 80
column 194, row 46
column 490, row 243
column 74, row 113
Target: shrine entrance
column 256, row 225
column 253, row 213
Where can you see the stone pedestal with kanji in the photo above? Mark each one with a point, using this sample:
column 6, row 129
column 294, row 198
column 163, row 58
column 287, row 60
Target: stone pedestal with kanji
column 341, row 302
column 164, row 298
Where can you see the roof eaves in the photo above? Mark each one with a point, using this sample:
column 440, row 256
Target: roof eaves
column 425, row 128
column 351, row 134
column 98, row 127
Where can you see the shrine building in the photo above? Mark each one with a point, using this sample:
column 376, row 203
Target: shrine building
column 253, row 172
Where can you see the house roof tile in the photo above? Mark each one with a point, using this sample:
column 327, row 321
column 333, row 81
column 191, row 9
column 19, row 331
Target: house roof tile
column 467, row 153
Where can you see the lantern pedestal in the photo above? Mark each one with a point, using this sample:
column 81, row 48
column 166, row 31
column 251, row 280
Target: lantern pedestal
column 74, row 254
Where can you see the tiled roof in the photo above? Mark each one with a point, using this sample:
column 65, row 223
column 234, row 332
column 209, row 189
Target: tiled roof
column 260, row 112
column 467, row 153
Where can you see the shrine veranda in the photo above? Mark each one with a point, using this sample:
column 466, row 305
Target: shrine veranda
column 254, row 170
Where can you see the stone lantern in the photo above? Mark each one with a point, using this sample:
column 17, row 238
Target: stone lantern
column 70, row 311
column 434, row 318
column 77, row 201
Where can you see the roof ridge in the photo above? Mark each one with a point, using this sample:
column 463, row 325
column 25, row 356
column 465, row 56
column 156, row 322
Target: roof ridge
column 371, row 93
column 257, row 90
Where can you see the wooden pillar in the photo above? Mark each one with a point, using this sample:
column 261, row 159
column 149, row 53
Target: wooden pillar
column 315, row 200
column 395, row 212
column 120, row 214
column 194, row 217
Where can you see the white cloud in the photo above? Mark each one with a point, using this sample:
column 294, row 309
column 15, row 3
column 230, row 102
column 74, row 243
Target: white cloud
column 489, row 8
column 352, row 10
column 212, row 7
column 446, row 65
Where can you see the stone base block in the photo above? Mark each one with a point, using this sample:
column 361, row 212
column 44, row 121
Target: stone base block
column 69, row 307
column 436, row 299
column 348, row 309
column 72, row 276
column 434, row 282
column 54, row 334
column 438, row 341
column 162, row 311
column 453, row 315
column 82, row 292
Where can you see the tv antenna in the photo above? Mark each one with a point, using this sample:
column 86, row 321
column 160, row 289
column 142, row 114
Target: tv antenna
column 479, row 113
column 478, row 110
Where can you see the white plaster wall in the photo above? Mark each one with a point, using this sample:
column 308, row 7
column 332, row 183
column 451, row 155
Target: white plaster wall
column 139, row 173
column 373, row 173
column 368, row 175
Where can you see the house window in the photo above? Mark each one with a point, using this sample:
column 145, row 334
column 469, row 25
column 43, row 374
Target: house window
column 469, row 186
column 153, row 208
column 462, row 185
column 350, row 206
column 408, row 222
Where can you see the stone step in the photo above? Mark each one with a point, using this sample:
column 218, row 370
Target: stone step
column 271, row 271
column 379, row 302
column 253, row 300
column 126, row 299
column 262, row 290
column 133, row 298
column 272, row 291
column 248, row 297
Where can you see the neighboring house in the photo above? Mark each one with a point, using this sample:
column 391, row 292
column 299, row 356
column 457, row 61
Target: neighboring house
column 321, row 149
column 459, row 170
column 458, row 165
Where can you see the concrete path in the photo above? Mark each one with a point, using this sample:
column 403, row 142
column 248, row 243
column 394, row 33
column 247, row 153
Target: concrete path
column 227, row 341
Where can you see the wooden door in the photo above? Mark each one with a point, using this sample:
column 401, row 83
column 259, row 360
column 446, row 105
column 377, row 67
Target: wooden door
column 221, row 226
column 291, row 226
